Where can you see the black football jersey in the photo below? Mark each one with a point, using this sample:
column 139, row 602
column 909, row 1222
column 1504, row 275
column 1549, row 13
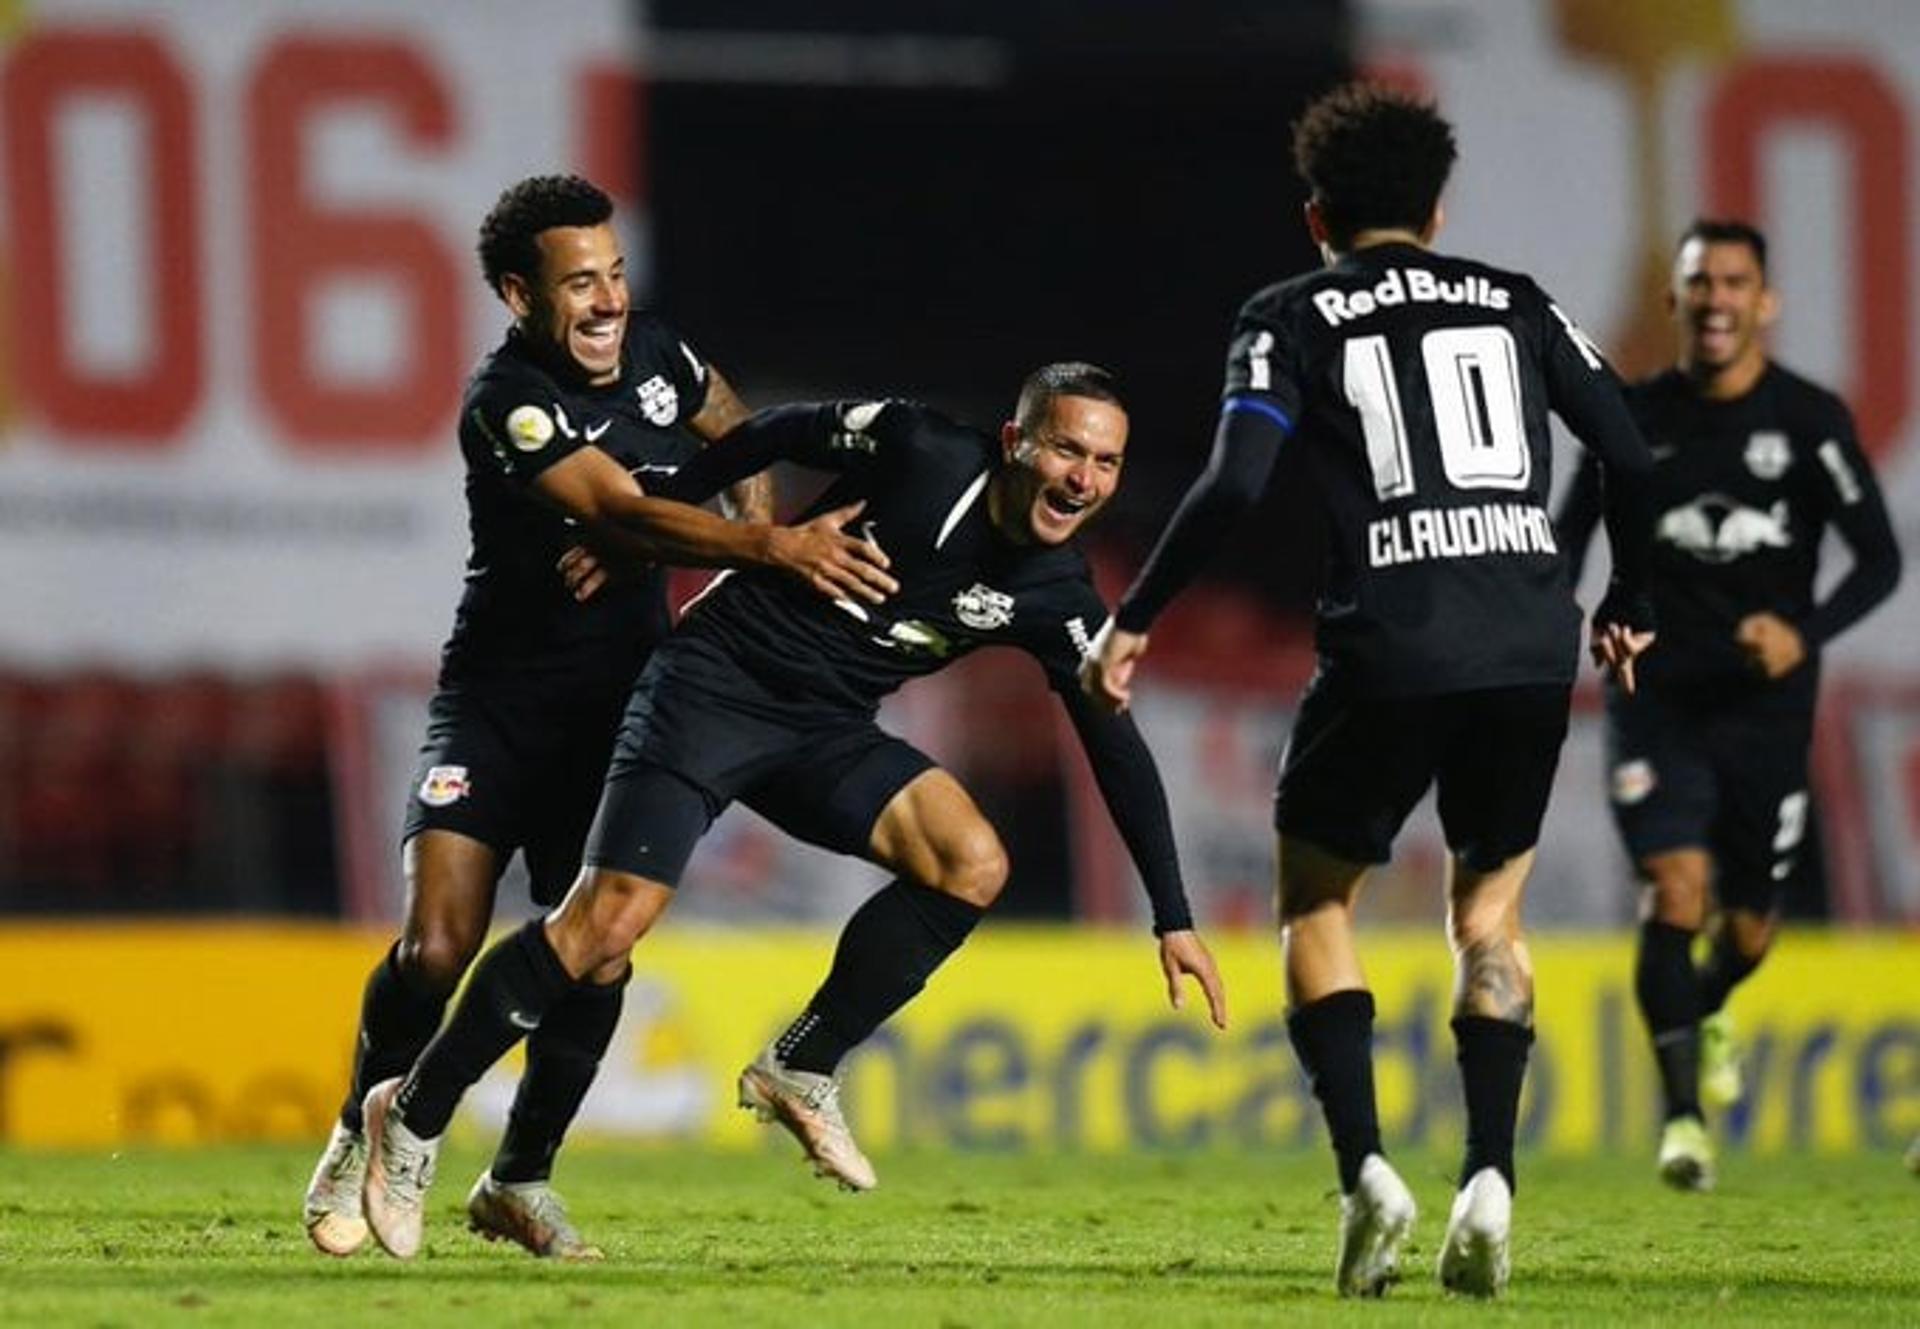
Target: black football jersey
column 1742, row 493
column 517, row 623
column 1420, row 386
column 963, row 585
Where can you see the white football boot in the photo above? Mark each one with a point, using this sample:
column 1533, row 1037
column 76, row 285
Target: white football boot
column 808, row 1105
column 530, row 1213
column 1473, row 1259
column 399, row 1171
column 334, row 1219
column 1374, row 1221
column 1686, row 1155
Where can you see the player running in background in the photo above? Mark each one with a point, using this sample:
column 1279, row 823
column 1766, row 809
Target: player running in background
column 586, row 403
column 1708, row 759
column 768, row 695
column 1419, row 386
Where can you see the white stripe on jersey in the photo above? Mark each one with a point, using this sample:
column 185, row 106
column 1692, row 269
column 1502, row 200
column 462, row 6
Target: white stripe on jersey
column 960, row 508
column 1844, row 479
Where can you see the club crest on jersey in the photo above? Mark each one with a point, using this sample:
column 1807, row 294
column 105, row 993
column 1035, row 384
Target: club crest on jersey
column 1632, row 782
column 1768, row 455
column 444, row 786
column 1716, row 529
column 659, row 400
column 529, row 427
column 982, row 608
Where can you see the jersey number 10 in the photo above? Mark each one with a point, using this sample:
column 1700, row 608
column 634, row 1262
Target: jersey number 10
column 1473, row 392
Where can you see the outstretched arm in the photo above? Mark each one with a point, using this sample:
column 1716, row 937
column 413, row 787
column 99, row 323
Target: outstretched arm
column 1245, row 444
column 1130, row 783
column 749, row 498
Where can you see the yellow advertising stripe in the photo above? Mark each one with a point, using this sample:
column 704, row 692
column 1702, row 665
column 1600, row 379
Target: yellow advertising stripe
column 1033, row 1038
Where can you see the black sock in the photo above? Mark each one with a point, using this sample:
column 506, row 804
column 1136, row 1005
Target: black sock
column 513, row 986
column 1333, row 1037
column 1493, row 1065
column 1726, row 969
column 398, row 1014
column 1664, row 982
column 888, row 950
column 562, row 1056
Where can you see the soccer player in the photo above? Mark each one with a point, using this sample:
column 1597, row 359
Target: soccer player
column 1708, row 759
column 1418, row 386
column 767, row 695
column 585, row 402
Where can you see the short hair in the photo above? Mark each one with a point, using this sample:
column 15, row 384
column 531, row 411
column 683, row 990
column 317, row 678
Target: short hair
column 1374, row 158
column 508, row 236
column 1727, row 231
column 1066, row 378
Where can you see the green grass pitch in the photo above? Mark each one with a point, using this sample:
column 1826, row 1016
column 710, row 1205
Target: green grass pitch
column 213, row 1238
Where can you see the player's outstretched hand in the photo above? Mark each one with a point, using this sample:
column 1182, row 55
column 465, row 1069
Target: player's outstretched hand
column 1773, row 645
column 1615, row 647
column 838, row 565
column 1106, row 675
column 1184, row 953
column 583, row 572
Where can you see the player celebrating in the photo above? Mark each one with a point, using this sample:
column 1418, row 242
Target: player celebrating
column 584, row 401
column 1708, row 758
column 1419, row 386
column 768, row 695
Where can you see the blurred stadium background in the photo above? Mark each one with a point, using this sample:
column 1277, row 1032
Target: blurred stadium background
column 239, row 304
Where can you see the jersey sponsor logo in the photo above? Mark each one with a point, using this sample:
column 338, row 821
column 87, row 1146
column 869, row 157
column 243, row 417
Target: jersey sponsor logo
column 445, row 786
column 915, row 637
column 595, row 430
column 1408, row 285
column 1768, row 455
column 1472, row 532
column 1081, row 639
column 1633, row 781
column 982, row 608
column 1717, row 529
column 529, row 427
column 659, row 400
column 855, row 421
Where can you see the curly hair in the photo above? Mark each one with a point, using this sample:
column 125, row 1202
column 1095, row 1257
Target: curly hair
column 523, row 210
column 1374, row 158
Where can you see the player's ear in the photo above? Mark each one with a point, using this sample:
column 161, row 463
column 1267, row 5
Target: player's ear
column 1011, row 442
column 1769, row 306
column 513, row 290
column 1316, row 222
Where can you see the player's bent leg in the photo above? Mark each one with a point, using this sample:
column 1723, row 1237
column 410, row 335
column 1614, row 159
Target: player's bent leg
column 1493, row 1034
column 952, row 867
column 1740, row 943
column 1330, row 1024
column 450, row 889
column 1674, row 905
column 514, row 1199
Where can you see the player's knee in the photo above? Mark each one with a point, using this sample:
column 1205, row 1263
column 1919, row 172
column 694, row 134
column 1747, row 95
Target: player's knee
column 974, row 868
column 434, row 958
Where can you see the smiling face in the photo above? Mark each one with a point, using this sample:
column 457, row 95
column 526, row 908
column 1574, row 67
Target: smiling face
column 1061, row 471
column 1721, row 304
column 575, row 306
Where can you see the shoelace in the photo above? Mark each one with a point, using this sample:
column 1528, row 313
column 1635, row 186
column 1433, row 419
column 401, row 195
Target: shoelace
column 350, row 1162
column 410, row 1173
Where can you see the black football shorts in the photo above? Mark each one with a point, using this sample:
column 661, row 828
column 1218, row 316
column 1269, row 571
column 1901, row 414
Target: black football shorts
column 516, row 772
column 700, row 732
column 1718, row 772
column 1356, row 765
